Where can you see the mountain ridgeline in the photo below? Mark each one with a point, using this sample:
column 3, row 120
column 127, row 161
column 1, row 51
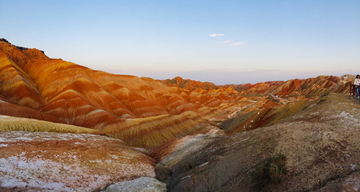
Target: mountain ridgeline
column 141, row 111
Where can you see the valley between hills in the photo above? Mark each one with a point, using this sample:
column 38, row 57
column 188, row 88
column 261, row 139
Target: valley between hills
column 66, row 127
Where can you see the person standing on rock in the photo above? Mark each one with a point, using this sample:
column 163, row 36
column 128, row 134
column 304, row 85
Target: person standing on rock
column 357, row 83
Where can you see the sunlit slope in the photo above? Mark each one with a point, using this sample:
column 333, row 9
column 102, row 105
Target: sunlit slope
column 8, row 123
column 16, row 85
column 142, row 111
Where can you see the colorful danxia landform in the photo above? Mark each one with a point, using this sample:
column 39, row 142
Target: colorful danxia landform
column 143, row 112
column 57, row 119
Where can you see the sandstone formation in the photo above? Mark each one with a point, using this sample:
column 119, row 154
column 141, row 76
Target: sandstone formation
column 189, row 84
column 251, row 88
column 141, row 111
column 7, row 108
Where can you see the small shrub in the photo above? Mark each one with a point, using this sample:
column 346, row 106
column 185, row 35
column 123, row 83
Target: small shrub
column 271, row 170
column 163, row 173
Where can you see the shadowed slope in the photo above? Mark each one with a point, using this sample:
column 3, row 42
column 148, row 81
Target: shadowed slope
column 279, row 100
column 311, row 87
column 269, row 114
column 22, row 111
column 319, row 150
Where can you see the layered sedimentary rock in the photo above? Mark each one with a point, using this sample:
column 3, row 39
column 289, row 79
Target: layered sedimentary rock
column 311, row 87
column 189, row 84
column 14, row 110
column 182, row 123
column 262, row 113
column 275, row 101
column 255, row 88
column 141, row 111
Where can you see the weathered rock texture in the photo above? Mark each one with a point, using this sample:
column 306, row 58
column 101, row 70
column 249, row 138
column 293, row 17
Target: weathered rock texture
column 48, row 161
column 320, row 145
column 142, row 184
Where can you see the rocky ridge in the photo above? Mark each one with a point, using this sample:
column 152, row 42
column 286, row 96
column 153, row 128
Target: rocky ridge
column 319, row 145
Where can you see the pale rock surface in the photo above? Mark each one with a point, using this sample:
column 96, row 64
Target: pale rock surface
column 142, row 184
column 50, row 161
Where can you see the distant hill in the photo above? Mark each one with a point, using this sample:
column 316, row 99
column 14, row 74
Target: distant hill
column 311, row 87
column 189, row 84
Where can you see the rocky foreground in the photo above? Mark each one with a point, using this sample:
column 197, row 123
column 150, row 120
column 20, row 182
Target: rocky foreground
column 44, row 161
column 314, row 150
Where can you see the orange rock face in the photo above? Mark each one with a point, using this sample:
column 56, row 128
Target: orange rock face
column 189, row 84
column 143, row 112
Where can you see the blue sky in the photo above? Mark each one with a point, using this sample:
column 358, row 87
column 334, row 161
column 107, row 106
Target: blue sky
column 225, row 42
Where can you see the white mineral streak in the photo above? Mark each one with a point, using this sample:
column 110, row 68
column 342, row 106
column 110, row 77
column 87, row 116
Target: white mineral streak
column 65, row 171
column 19, row 171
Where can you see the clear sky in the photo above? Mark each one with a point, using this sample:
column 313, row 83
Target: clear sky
column 225, row 42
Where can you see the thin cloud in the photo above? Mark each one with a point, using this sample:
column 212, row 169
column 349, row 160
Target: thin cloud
column 238, row 43
column 214, row 35
column 233, row 44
